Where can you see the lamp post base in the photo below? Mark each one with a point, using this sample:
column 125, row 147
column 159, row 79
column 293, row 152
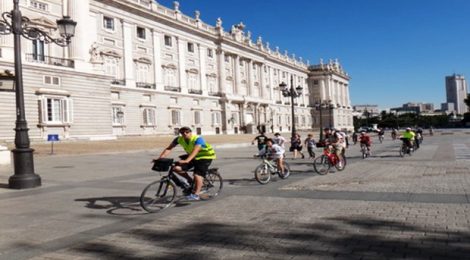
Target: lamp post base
column 24, row 176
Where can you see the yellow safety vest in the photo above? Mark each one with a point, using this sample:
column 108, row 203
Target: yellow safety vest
column 204, row 153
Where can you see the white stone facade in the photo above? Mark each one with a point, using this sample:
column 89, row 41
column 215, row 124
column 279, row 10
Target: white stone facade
column 136, row 67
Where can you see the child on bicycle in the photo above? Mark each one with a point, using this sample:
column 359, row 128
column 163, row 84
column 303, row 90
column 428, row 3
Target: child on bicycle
column 275, row 152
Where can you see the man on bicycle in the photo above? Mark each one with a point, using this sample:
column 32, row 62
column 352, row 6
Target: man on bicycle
column 200, row 156
column 276, row 152
column 408, row 137
column 364, row 139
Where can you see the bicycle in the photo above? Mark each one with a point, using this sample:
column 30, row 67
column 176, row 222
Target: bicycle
column 404, row 148
column 267, row 168
column 365, row 152
column 161, row 194
column 328, row 159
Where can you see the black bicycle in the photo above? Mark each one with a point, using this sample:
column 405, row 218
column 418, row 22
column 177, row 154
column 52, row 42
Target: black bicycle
column 161, row 194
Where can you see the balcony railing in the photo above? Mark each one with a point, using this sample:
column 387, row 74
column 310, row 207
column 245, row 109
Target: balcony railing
column 195, row 91
column 145, row 85
column 287, row 103
column 121, row 82
column 50, row 60
column 278, row 102
column 216, row 94
column 174, row 89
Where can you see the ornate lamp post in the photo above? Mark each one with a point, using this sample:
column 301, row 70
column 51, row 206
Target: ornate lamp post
column 14, row 23
column 292, row 93
column 320, row 105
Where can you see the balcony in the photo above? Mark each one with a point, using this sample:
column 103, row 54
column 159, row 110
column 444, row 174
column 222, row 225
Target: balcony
column 215, row 94
column 174, row 89
column 145, row 85
column 31, row 57
column 121, row 82
column 195, row 91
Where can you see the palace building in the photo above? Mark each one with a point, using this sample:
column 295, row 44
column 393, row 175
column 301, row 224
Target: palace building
column 136, row 67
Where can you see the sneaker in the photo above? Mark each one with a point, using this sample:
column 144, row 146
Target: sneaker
column 192, row 197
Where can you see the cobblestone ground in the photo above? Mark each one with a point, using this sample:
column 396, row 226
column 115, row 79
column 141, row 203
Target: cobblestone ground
column 383, row 207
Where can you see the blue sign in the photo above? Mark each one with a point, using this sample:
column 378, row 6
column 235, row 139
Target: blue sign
column 52, row 138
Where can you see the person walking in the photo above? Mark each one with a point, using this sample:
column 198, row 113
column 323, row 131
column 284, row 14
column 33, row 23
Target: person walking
column 261, row 141
column 296, row 146
column 311, row 144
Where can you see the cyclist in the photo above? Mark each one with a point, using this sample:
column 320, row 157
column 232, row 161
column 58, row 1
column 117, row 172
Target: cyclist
column 199, row 155
column 279, row 140
column 364, row 139
column 276, row 152
column 381, row 134
column 334, row 139
column 261, row 140
column 408, row 138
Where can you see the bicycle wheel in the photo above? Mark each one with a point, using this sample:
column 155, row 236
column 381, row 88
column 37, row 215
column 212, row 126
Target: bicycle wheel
column 403, row 149
column 341, row 164
column 286, row 172
column 212, row 184
column 321, row 165
column 158, row 195
column 262, row 173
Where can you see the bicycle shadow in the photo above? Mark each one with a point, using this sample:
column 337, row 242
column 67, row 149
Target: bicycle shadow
column 129, row 205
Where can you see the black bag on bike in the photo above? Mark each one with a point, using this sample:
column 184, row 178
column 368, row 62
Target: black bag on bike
column 162, row 164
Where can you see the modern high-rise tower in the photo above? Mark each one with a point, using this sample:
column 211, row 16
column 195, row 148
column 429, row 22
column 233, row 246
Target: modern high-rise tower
column 456, row 92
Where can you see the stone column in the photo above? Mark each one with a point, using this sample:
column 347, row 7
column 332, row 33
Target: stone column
column 221, row 69
column 182, row 64
column 236, row 80
column 251, row 79
column 157, row 59
column 202, row 68
column 78, row 10
column 262, row 81
column 127, row 31
column 271, row 84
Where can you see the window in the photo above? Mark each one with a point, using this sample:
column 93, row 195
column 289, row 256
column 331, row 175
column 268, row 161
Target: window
column 38, row 5
column 192, row 81
column 141, row 33
column 210, row 53
column 51, row 80
column 175, row 117
column 149, row 116
column 38, row 50
column 55, row 110
column 190, row 47
column 108, row 23
column 216, row 118
column 197, row 117
column 226, row 58
column 111, row 67
column 315, row 82
column 118, row 115
column 142, row 73
column 170, row 77
column 168, row 41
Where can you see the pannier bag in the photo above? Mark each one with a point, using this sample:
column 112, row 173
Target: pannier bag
column 162, row 164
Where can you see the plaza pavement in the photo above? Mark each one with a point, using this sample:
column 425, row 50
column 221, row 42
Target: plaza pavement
column 383, row 207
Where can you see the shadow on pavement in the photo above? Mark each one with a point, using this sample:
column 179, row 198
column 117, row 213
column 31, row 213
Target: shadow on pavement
column 115, row 205
column 351, row 237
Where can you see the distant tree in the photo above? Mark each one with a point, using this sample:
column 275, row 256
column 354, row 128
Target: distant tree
column 467, row 101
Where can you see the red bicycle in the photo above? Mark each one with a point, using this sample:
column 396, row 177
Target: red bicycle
column 323, row 163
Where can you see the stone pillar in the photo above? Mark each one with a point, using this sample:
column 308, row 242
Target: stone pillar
column 237, row 80
column 182, row 64
column 202, row 68
column 6, row 41
column 271, row 84
column 157, row 56
column 221, row 68
column 127, row 31
column 78, row 10
column 251, row 79
column 262, row 81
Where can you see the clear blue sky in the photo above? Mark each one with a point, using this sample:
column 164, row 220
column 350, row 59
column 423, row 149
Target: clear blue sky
column 396, row 51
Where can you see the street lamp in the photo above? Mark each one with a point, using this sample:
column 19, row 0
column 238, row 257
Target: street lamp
column 292, row 93
column 320, row 105
column 18, row 25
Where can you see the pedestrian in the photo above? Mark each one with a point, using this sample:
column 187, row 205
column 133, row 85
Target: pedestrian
column 279, row 140
column 296, row 146
column 354, row 137
column 311, row 144
column 261, row 141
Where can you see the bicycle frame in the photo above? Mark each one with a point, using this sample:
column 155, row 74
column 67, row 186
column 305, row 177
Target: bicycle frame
column 332, row 157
